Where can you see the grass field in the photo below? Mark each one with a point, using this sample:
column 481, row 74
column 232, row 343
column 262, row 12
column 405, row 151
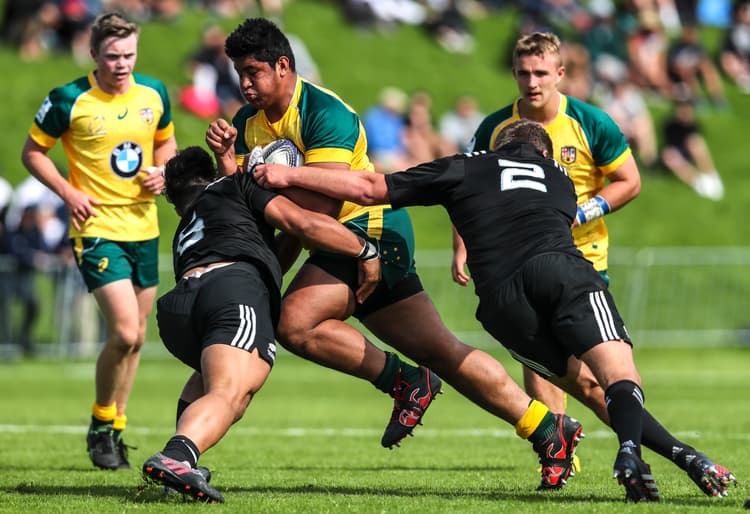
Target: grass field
column 310, row 443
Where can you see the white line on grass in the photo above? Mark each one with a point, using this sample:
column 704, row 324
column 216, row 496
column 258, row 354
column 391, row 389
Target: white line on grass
column 329, row 432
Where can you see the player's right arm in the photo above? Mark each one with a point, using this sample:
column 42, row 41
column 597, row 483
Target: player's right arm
column 220, row 138
column 37, row 162
column 361, row 187
column 324, row 232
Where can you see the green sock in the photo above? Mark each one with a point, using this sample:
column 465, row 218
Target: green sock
column 387, row 379
column 386, row 382
column 545, row 428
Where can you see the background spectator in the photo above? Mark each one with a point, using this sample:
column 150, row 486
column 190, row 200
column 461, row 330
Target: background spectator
column 734, row 56
column 215, row 87
column 691, row 70
column 6, row 269
column 423, row 143
column 686, row 153
column 624, row 102
column 384, row 124
column 647, row 49
column 457, row 125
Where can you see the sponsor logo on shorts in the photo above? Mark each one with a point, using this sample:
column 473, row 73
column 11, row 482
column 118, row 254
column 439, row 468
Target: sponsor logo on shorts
column 103, row 264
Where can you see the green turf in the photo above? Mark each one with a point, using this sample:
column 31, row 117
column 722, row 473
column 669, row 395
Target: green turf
column 310, row 443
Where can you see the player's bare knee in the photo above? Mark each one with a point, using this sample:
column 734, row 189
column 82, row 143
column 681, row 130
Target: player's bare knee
column 125, row 340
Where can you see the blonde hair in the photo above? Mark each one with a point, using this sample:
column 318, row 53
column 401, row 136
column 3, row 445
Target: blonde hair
column 110, row 25
column 537, row 43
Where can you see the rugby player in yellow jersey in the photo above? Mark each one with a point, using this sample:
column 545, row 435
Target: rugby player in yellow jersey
column 329, row 133
column 117, row 132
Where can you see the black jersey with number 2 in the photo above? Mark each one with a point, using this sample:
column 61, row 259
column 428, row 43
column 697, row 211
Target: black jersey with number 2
column 226, row 223
column 507, row 206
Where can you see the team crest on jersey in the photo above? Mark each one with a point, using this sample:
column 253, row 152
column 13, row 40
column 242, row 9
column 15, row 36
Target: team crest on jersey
column 568, row 154
column 126, row 159
column 147, row 115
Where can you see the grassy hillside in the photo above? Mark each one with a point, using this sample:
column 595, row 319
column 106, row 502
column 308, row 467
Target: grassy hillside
column 358, row 64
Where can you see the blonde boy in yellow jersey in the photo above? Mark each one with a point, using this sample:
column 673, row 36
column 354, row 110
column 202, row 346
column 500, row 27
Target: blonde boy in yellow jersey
column 587, row 143
column 117, row 132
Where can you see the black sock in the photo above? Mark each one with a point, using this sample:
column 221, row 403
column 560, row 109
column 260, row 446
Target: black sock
column 625, row 407
column 181, row 448
column 657, row 438
column 181, row 406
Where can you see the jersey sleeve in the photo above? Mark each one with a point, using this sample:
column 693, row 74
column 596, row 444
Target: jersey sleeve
column 608, row 144
column 330, row 134
column 255, row 196
column 53, row 117
column 427, row 184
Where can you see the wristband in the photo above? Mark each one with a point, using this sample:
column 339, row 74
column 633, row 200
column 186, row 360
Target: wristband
column 369, row 252
column 591, row 209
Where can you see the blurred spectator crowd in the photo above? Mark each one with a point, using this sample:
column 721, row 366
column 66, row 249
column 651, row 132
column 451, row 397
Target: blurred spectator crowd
column 39, row 26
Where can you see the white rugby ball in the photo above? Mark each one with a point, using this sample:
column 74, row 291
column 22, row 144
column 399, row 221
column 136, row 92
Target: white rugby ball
column 283, row 151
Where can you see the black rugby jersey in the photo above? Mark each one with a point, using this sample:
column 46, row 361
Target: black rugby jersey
column 507, row 206
column 226, row 223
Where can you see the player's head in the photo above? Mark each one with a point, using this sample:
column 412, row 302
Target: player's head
column 110, row 25
column 525, row 131
column 186, row 174
column 539, row 44
column 538, row 69
column 260, row 39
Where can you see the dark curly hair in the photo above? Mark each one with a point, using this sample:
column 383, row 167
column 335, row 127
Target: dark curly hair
column 186, row 175
column 260, row 39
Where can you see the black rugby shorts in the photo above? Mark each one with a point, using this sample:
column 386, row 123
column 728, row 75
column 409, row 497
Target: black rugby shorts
column 554, row 306
column 229, row 305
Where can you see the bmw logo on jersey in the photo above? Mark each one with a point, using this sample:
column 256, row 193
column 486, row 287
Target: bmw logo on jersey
column 126, row 159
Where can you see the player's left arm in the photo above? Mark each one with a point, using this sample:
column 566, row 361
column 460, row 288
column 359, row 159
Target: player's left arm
column 623, row 184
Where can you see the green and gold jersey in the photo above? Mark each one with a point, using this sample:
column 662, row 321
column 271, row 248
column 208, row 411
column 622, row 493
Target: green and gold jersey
column 324, row 129
column 589, row 144
column 108, row 140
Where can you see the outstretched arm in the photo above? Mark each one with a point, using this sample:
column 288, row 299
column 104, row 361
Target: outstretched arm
column 361, row 187
column 324, row 232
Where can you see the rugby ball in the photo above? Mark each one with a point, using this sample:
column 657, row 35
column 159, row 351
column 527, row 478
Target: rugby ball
column 283, row 151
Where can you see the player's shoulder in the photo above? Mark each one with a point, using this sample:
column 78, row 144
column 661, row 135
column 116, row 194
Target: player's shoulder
column 313, row 94
column 67, row 93
column 243, row 114
column 150, row 82
column 497, row 117
column 584, row 112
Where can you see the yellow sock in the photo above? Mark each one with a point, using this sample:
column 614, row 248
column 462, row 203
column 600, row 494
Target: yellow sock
column 531, row 419
column 104, row 413
column 120, row 422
